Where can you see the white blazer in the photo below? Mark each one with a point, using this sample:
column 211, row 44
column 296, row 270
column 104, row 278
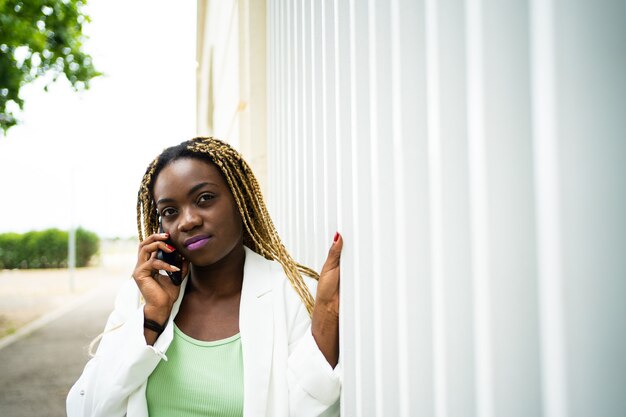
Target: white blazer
column 285, row 373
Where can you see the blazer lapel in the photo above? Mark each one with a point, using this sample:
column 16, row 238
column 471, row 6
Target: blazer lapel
column 256, row 324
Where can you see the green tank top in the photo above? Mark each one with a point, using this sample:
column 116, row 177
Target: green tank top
column 198, row 379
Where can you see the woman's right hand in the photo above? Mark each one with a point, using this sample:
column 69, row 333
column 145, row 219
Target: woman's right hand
column 158, row 290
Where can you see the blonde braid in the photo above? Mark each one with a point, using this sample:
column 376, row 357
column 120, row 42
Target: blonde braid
column 260, row 235
column 147, row 219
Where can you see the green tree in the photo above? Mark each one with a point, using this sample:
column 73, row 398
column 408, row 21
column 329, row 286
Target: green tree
column 87, row 245
column 46, row 248
column 37, row 38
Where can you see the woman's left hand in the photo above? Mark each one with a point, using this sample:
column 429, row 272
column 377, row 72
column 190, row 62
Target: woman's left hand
column 325, row 321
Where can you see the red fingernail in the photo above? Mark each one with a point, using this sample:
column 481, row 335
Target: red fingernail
column 336, row 237
column 170, row 247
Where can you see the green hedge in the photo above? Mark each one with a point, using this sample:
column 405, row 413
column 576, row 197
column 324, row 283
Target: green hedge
column 45, row 249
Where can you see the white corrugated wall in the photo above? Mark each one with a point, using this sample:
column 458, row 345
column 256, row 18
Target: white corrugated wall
column 473, row 155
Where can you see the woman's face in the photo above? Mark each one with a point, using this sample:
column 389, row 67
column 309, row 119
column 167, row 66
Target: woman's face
column 198, row 210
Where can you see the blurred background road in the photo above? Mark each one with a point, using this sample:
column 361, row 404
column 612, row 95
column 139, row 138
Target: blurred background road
column 37, row 369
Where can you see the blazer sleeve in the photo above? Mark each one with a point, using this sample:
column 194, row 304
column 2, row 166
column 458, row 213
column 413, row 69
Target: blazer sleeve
column 314, row 385
column 121, row 364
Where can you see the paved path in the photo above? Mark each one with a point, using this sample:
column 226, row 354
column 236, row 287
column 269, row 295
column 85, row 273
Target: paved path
column 37, row 371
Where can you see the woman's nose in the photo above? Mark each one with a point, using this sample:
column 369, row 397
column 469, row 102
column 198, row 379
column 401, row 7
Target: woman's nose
column 189, row 220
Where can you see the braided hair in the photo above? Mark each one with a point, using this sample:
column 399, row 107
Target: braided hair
column 259, row 232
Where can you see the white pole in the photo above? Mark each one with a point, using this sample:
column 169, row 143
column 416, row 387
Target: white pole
column 72, row 256
column 71, row 249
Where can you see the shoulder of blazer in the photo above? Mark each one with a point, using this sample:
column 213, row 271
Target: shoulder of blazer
column 269, row 275
column 128, row 297
column 260, row 275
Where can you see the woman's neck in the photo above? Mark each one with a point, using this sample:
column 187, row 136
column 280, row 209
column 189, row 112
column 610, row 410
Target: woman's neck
column 222, row 279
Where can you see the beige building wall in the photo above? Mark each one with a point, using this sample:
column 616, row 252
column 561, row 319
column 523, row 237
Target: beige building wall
column 231, row 77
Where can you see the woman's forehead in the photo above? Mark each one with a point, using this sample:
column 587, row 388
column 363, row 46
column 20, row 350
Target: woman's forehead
column 183, row 174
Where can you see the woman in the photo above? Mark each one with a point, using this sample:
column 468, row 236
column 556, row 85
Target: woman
column 242, row 335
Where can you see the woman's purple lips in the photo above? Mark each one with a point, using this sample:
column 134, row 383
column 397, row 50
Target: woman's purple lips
column 196, row 242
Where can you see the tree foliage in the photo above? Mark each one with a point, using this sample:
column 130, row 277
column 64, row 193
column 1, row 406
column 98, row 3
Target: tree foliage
column 39, row 37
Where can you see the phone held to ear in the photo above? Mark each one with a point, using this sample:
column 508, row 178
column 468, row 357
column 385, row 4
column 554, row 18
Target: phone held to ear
column 174, row 259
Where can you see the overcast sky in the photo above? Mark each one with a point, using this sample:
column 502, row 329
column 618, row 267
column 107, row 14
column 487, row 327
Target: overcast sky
column 102, row 140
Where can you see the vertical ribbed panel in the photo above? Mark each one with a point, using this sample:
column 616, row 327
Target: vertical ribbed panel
column 590, row 87
column 344, row 197
column 472, row 154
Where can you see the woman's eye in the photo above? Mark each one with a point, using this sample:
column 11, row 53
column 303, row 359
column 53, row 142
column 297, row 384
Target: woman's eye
column 203, row 198
column 168, row 212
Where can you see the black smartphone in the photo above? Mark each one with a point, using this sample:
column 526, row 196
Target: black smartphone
column 174, row 258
